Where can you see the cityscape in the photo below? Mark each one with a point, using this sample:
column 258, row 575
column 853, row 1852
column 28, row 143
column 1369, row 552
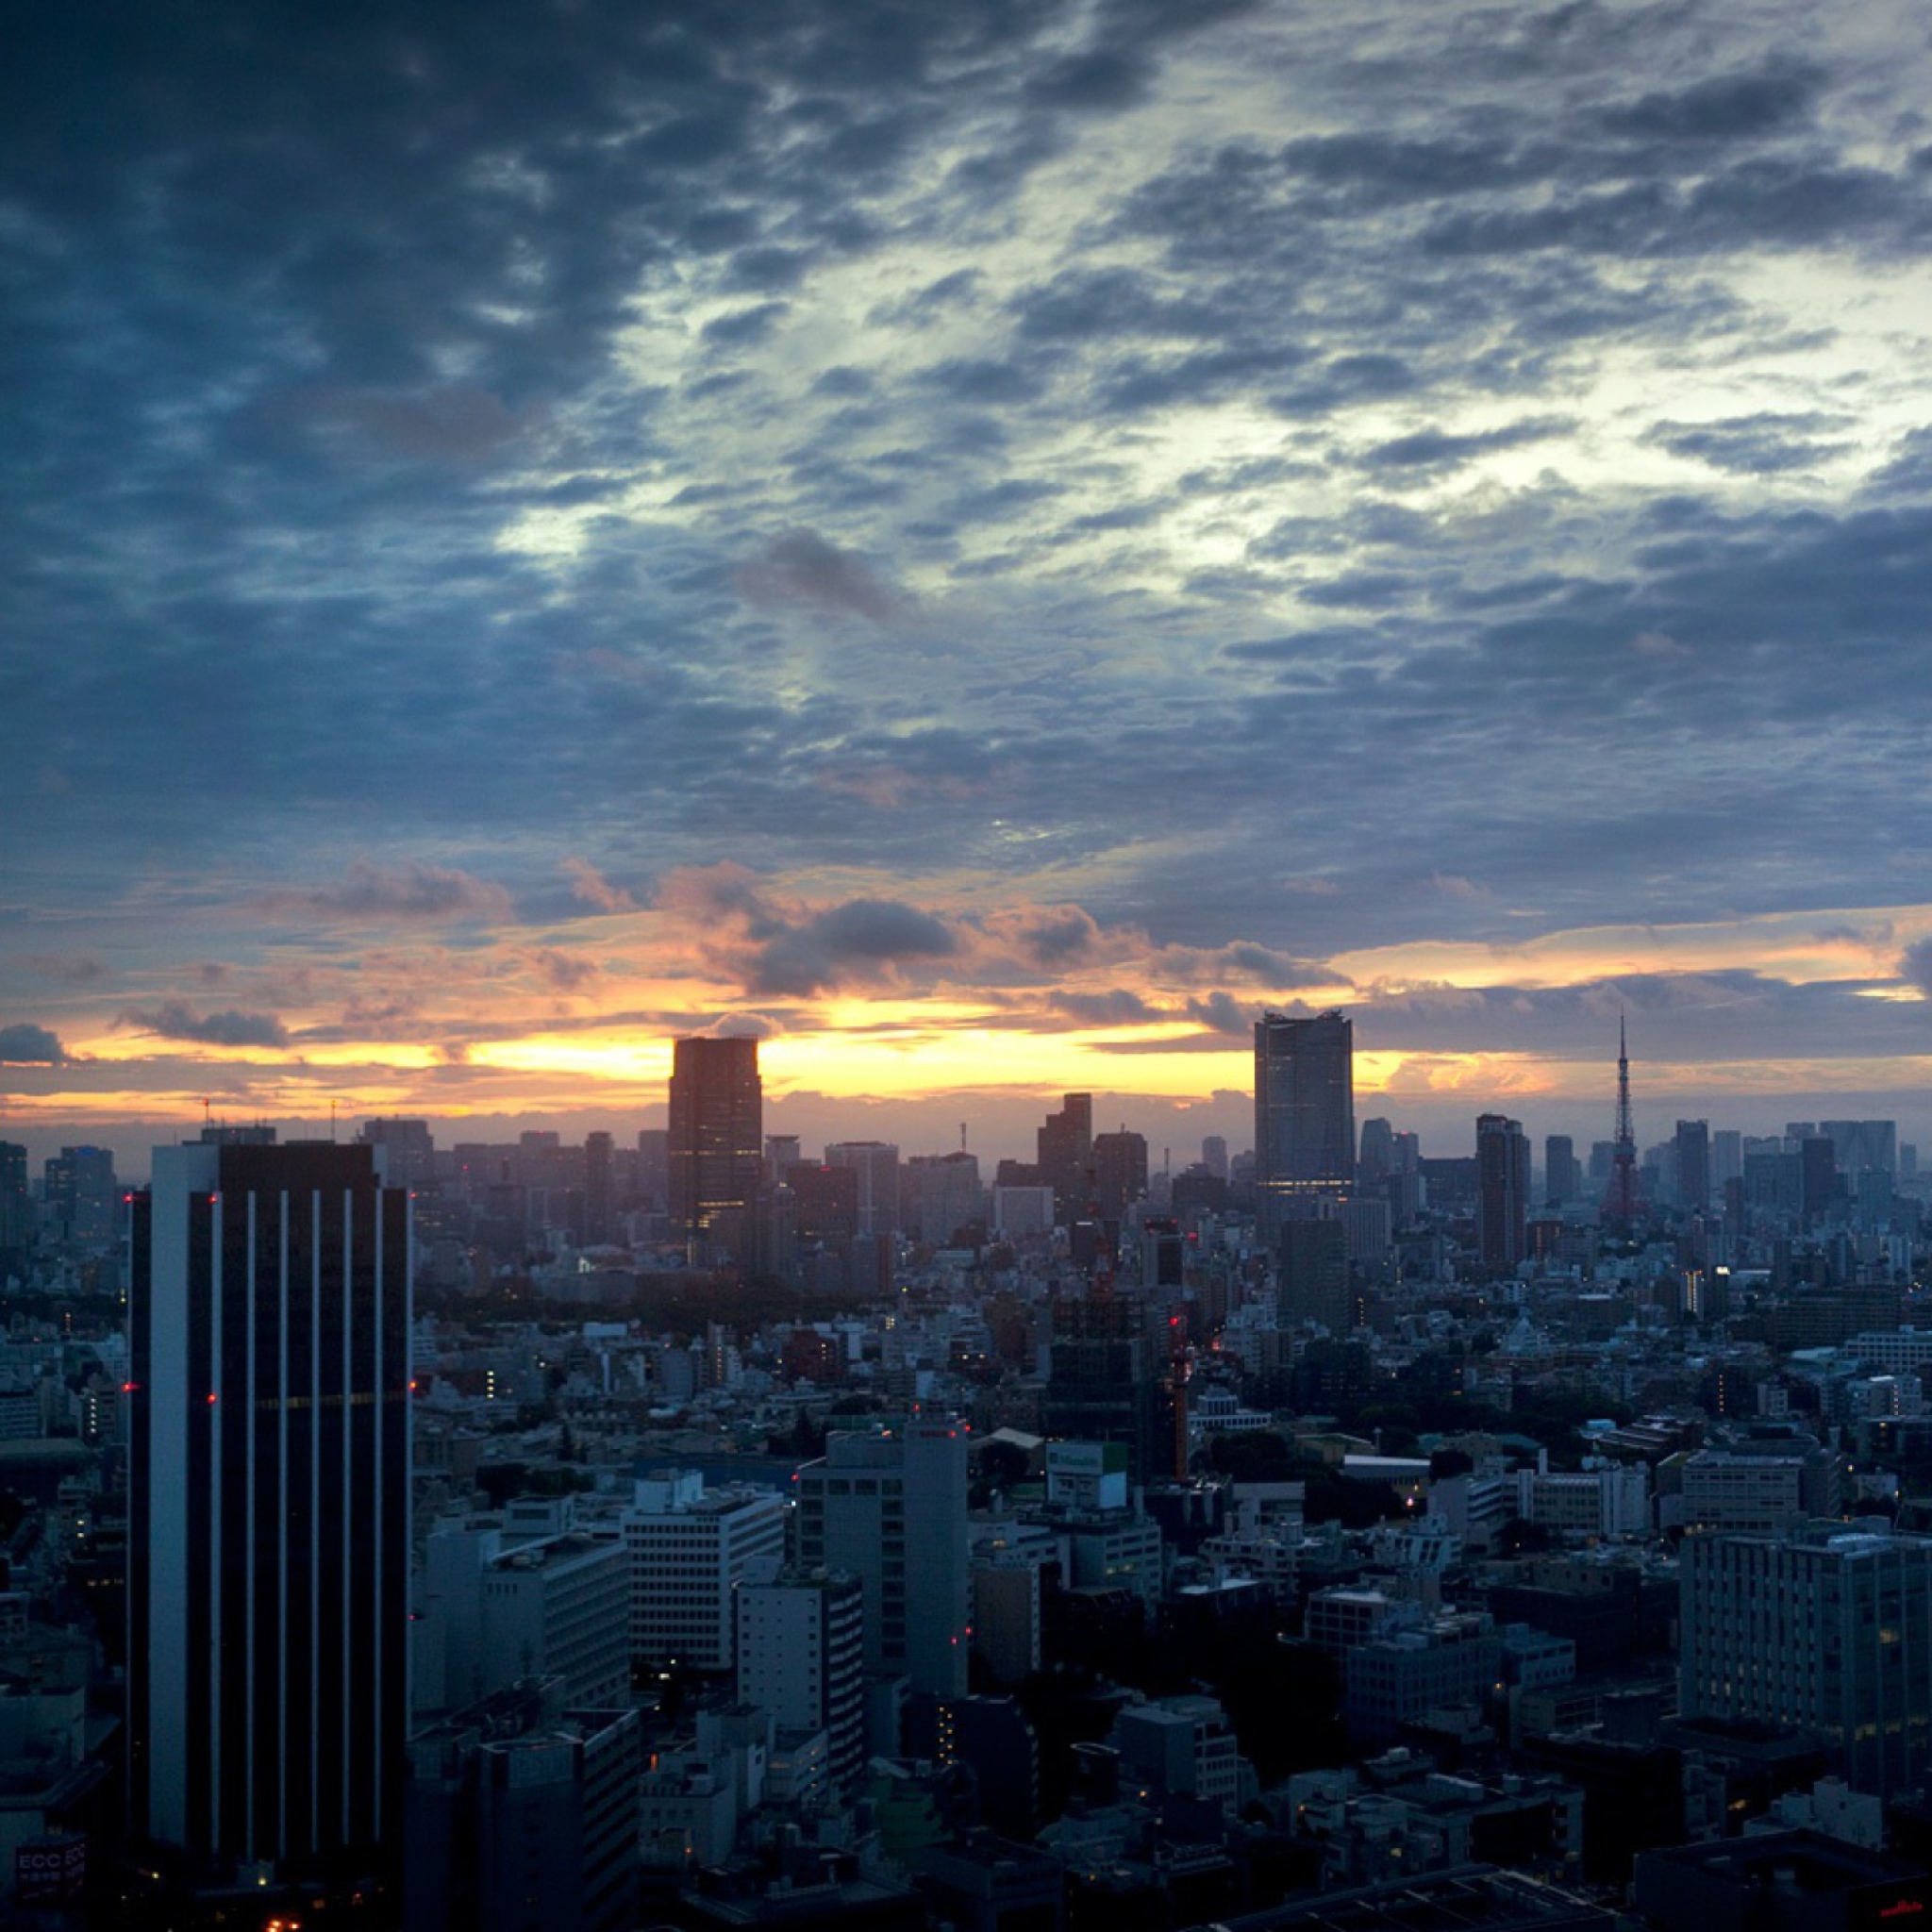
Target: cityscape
column 966, row 968
column 406, row 1531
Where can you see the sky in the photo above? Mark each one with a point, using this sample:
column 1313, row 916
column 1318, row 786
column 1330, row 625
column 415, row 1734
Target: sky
column 985, row 545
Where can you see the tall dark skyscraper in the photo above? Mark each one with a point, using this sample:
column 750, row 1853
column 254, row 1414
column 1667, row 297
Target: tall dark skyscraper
column 16, row 1211
column 269, row 1515
column 1693, row 1166
column 1065, row 1145
column 716, row 1149
column 1562, row 1176
column 1304, row 1112
column 1502, row 1172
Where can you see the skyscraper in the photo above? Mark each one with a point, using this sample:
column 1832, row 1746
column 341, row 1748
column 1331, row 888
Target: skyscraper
column 269, row 1513
column 16, row 1211
column 1562, row 1176
column 1502, row 1164
column 717, row 1132
column 1119, row 1170
column 1693, row 1166
column 1303, row 1110
column 890, row 1509
column 1065, row 1145
column 876, row 1164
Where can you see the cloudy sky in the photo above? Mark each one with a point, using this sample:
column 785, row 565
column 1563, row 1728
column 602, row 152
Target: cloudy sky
column 984, row 542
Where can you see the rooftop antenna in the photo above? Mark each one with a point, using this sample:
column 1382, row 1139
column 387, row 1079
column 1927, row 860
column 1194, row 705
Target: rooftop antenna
column 963, row 1137
column 331, row 1118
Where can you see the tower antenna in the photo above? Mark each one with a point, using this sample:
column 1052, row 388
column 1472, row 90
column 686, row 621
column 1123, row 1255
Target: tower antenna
column 1622, row 1202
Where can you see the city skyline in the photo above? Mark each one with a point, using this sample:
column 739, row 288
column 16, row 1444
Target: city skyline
column 985, row 550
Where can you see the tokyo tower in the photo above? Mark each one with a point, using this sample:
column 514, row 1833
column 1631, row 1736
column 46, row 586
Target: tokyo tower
column 1622, row 1202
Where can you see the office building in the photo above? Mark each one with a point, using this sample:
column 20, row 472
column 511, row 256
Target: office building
column 1316, row 1282
column 801, row 1656
column 1303, row 1112
column 269, row 1513
column 1761, row 1484
column 690, row 1547
column 890, row 1509
column 1562, row 1172
column 496, row 1608
column 600, row 1181
column 1065, row 1146
column 1120, row 1171
column 945, row 1195
column 1100, row 1380
column 80, row 1198
column 1502, row 1161
column 523, row 1817
column 1692, row 1141
column 410, row 1151
column 875, row 1164
column 1820, row 1627
column 716, row 1141
column 16, row 1212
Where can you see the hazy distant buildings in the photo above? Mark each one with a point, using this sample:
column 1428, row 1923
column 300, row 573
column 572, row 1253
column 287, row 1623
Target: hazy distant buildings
column 1304, row 1112
column 80, row 1197
column 269, row 1512
column 945, row 1195
column 877, row 1165
column 716, row 1140
column 409, row 1150
column 1693, row 1143
column 1120, row 1171
column 1562, row 1174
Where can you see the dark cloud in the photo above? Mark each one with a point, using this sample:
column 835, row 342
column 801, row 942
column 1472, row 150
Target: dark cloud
column 174, row 1020
column 23, row 1045
column 1119, row 1007
column 1440, row 449
column 375, row 895
column 861, row 939
column 743, row 328
column 800, row 567
column 68, row 969
column 1220, row 1012
column 564, row 972
column 1762, row 444
column 1735, row 107
column 1915, row 966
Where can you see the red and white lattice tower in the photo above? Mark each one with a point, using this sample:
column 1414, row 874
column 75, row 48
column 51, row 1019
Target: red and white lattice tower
column 1623, row 1201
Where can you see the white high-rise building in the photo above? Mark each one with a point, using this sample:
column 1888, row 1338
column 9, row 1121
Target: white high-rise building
column 889, row 1508
column 689, row 1546
column 801, row 1656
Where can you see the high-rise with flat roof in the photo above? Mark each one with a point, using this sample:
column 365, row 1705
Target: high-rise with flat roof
column 1824, row 1627
column 1304, row 1112
column 269, row 1513
column 890, row 1509
column 716, row 1146
column 690, row 1547
column 1502, row 1163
